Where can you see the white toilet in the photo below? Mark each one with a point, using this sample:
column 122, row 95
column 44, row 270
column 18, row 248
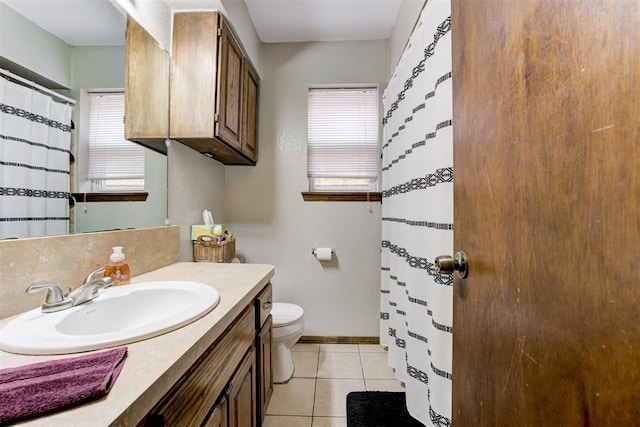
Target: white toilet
column 288, row 323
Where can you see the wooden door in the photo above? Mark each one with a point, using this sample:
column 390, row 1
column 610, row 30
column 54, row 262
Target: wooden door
column 230, row 76
column 547, row 190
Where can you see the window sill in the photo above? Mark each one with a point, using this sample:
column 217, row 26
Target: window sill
column 138, row 196
column 343, row 196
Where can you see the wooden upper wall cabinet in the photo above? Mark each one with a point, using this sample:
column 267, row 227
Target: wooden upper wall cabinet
column 214, row 90
column 146, row 89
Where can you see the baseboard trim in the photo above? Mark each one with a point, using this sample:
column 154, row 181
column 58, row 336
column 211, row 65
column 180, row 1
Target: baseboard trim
column 310, row 339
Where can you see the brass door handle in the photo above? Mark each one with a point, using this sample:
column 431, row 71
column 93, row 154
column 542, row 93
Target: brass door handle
column 446, row 264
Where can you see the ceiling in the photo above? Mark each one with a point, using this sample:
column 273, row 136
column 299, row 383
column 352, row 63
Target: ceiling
column 76, row 22
column 98, row 23
column 322, row 20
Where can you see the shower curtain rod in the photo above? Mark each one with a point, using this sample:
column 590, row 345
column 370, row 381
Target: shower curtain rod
column 37, row 86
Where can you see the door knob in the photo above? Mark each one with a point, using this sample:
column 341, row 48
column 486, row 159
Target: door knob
column 446, row 264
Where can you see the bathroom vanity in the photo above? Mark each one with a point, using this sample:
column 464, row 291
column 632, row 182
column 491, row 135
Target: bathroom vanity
column 214, row 371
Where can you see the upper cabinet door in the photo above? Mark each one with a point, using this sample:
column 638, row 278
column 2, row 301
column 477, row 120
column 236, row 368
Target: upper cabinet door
column 193, row 75
column 229, row 99
column 146, row 89
column 250, row 92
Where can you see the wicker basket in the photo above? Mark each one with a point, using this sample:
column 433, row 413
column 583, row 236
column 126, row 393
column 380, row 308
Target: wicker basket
column 207, row 248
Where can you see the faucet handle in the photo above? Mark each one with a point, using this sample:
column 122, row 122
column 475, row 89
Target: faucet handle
column 102, row 282
column 92, row 275
column 55, row 300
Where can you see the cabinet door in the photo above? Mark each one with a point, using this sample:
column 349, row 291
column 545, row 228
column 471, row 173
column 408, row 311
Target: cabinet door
column 250, row 112
column 218, row 416
column 242, row 394
column 265, row 379
column 194, row 58
column 146, row 89
column 230, row 76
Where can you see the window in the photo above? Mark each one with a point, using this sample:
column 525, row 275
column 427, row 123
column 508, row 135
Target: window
column 115, row 164
column 342, row 142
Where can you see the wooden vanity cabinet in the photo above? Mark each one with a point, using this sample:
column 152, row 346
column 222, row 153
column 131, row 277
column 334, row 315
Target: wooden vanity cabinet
column 214, row 90
column 230, row 384
column 146, row 92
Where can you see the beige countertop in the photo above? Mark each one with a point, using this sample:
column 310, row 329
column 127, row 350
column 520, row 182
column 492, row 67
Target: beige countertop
column 155, row 364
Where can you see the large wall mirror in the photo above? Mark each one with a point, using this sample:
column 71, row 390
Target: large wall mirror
column 77, row 69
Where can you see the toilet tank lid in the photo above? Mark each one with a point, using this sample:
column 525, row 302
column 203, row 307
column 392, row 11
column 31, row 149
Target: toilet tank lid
column 285, row 314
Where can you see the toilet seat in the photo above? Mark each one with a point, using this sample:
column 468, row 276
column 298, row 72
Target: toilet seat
column 285, row 314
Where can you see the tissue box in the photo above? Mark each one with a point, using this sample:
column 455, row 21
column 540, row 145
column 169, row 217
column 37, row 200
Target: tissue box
column 200, row 229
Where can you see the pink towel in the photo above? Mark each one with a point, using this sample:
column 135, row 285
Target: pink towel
column 45, row 387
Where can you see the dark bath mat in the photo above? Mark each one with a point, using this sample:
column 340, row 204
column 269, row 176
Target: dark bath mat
column 378, row 409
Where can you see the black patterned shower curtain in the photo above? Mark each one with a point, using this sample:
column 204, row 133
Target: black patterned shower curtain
column 35, row 139
column 417, row 217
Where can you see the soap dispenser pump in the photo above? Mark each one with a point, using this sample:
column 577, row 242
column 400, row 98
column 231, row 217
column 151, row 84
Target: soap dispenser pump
column 117, row 268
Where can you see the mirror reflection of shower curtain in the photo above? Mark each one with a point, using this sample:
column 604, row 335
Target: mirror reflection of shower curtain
column 35, row 140
column 416, row 310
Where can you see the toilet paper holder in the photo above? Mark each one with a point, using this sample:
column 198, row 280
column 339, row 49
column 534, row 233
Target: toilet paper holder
column 314, row 250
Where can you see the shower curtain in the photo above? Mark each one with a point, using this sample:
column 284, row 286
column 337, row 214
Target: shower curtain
column 35, row 139
column 417, row 217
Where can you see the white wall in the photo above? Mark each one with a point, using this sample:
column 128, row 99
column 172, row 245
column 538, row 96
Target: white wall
column 195, row 183
column 265, row 209
column 29, row 46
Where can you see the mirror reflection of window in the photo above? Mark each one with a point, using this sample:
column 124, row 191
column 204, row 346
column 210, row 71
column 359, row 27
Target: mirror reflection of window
column 115, row 164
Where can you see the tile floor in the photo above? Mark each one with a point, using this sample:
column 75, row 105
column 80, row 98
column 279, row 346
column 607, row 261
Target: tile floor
column 324, row 375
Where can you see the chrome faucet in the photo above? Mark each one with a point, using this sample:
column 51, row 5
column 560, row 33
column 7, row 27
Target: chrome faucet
column 88, row 290
column 57, row 301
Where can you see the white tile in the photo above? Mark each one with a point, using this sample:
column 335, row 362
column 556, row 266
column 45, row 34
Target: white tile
column 284, row 421
column 384, row 385
column 339, row 365
column 331, row 396
column 376, row 366
column 305, row 347
column 305, row 364
column 329, row 422
column 293, row 398
column 342, row 348
column 371, row 348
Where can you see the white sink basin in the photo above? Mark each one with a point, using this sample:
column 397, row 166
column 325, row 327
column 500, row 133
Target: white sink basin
column 117, row 316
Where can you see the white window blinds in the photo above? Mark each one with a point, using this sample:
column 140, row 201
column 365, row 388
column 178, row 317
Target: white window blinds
column 342, row 147
column 110, row 155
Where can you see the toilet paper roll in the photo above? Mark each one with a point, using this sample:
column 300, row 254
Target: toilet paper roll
column 324, row 254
